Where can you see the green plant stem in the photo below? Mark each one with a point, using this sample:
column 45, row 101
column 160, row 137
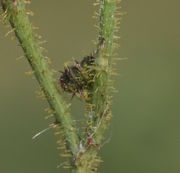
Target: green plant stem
column 87, row 162
column 82, row 169
column 98, row 106
column 100, row 97
column 99, row 102
column 23, row 29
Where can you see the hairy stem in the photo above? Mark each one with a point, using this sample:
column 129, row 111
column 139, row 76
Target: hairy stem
column 100, row 96
column 85, row 152
column 19, row 21
column 98, row 106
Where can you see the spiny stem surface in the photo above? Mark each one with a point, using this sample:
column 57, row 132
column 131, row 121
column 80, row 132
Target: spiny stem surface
column 19, row 21
column 85, row 159
column 98, row 106
column 100, row 96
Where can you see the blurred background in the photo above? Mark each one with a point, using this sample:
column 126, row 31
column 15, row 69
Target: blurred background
column 144, row 136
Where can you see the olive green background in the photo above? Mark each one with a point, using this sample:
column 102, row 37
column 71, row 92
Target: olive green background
column 144, row 136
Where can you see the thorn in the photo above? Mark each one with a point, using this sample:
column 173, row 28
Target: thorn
column 9, row 32
column 58, row 133
column 66, row 155
column 4, row 15
column 42, row 42
column 20, row 57
column 27, row 1
column 38, row 36
column 35, row 27
column 67, row 166
column 96, row 3
column 116, row 37
column 49, row 116
column 61, row 148
column 29, row 73
column 31, row 13
column 61, row 165
column 61, row 143
column 43, row 49
column 96, row 26
column 41, row 132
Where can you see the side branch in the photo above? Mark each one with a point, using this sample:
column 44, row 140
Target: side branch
column 98, row 104
column 100, row 99
column 19, row 21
